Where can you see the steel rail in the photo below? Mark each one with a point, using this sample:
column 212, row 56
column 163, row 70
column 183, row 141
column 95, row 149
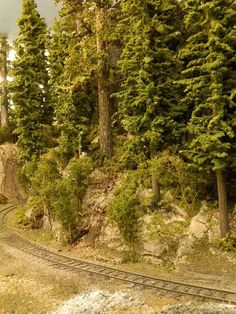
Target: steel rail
column 60, row 261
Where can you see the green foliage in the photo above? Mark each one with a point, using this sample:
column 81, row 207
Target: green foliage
column 123, row 209
column 3, row 199
column 29, row 88
column 43, row 181
column 164, row 95
column 72, row 80
column 21, row 217
column 168, row 233
column 31, row 214
column 78, row 175
column 162, row 206
column 56, row 195
column 26, row 172
column 207, row 80
column 180, row 177
column 130, row 256
column 148, row 64
column 6, row 135
column 228, row 243
column 65, row 208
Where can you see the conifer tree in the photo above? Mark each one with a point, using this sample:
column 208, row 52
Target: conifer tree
column 71, row 83
column 29, row 89
column 3, row 76
column 209, row 58
column 148, row 97
column 93, row 16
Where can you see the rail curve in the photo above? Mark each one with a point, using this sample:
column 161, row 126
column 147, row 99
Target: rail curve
column 60, row 261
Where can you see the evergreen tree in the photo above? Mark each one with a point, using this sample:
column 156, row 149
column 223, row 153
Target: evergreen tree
column 29, row 89
column 209, row 58
column 71, row 82
column 148, row 97
column 3, row 76
column 93, row 27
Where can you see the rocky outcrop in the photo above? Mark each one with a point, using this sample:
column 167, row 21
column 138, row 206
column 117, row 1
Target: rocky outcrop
column 111, row 237
column 93, row 210
column 9, row 185
column 205, row 224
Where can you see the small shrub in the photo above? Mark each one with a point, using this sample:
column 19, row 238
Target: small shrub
column 78, row 173
column 26, row 172
column 180, row 177
column 163, row 206
column 57, row 196
column 3, row 199
column 129, row 256
column 228, row 243
column 21, row 217
column 65, row 208
column 123, row 209
column 168, row 233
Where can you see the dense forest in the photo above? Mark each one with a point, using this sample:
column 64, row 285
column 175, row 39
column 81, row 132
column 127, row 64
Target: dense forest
column 143, row 88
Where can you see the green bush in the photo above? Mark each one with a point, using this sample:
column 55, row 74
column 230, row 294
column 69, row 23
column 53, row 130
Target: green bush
column 180, row 177
column 58, row 196
column 21, row 217
column 65, row 208
column 26, row 172
column 168, row 233
column 228, row 243
column 69, row 193
column 78, row 174
column 34, row 208
column 123, row 209
column 3, row 199
column 129, row 256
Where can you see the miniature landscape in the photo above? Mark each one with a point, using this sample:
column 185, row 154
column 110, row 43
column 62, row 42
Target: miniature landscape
column 117, row 147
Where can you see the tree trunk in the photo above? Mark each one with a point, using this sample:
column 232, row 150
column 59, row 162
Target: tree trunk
column 222, row 199
column 103, row 89
column 155, row 184
column 3, row 75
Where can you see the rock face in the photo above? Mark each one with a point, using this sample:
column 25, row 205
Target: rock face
column 205, row 224
column 155, row 248
column 9, row 185
column 100, row 191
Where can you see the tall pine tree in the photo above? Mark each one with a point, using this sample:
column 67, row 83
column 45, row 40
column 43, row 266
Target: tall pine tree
column 95, row 18
column 29, row 88
column 209, row 58
column 72, row 82
column 148, row 97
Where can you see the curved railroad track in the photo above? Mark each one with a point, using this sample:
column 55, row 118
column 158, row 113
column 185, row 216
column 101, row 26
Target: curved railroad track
column 13, row 239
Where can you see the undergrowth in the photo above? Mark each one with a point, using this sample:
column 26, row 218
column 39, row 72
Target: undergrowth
column 57, row 192
column 228, row 243
column 124, row 208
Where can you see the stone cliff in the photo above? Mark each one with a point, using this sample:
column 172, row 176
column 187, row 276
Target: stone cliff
column 9, row 185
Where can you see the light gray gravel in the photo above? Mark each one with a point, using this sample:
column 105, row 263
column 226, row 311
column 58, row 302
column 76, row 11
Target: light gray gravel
column 104, row 302
column 96, row 302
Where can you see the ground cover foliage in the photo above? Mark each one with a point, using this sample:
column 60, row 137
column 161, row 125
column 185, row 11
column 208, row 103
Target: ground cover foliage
column 146, row 88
